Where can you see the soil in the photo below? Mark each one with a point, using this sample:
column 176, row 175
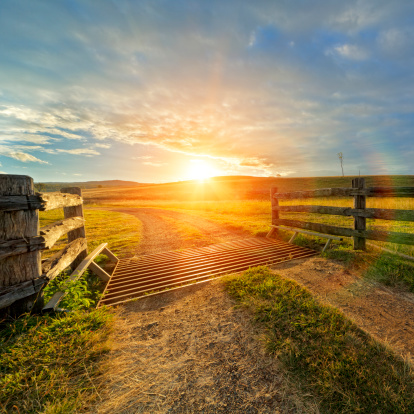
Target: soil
column 190, row 350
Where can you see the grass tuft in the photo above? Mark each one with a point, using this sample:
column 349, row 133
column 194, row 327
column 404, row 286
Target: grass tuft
column 326, row 353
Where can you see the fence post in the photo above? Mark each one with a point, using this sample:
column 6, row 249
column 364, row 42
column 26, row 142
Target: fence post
column 359, row 222
column 275, row 214
column 16, row 225
column 75, row 234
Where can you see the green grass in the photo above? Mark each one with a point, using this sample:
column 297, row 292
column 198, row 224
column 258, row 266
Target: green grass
column 121, row 231
column 50, row 364
column 325, row 353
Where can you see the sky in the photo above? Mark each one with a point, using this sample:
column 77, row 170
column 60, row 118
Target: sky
column 169, row 90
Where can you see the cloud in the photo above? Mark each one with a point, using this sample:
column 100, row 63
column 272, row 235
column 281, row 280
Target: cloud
column 143, row 157
column 80, row 151
column 21, row 156
column 350, row 51
column 154, row 164
column 102, row 145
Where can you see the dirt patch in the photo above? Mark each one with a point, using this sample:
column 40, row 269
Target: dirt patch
column 190, row 351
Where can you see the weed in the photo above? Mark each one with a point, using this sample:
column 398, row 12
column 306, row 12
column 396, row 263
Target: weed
column 79, row 294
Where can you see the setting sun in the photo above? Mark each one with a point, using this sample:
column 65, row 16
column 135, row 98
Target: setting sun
column 201, row 170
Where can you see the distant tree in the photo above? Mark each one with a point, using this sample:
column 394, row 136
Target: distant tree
column 341, row 160
column 100, row 186
column 40, row 187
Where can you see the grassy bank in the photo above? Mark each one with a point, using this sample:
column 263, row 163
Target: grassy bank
column 327, row 355
column 50, row 364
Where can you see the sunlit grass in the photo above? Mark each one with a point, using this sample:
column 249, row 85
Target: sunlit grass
column 334, row 361
column 51, row 364
column 121, row 231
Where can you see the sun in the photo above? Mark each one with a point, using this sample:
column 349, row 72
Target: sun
column 201, row 170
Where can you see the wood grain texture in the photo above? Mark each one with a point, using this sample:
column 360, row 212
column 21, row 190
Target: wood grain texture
column 275, row 212
column 54, row 231
column 63, row 258
column 18, row 225
column 75, row 211
column 11, row 294
column 349, row 192
column 51, row 201
column 360, row 223
column 39, row 201
column 21, row 246
column 387, row 236
column 375, row 213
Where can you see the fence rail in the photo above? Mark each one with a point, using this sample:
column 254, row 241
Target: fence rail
column 360, row 213
column 22, row 273
column 349, row 192
column 39, row 201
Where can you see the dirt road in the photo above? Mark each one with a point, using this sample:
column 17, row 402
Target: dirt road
column 165, row 230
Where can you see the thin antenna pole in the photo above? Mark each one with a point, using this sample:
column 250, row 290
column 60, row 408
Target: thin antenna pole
column 341, row 157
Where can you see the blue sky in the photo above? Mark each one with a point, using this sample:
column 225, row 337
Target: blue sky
column 146, row 90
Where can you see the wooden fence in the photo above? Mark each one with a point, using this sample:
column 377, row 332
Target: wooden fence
column 22, row 272
column 360, row 213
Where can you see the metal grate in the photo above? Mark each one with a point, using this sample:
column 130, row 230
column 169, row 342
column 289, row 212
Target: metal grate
column 152, row 274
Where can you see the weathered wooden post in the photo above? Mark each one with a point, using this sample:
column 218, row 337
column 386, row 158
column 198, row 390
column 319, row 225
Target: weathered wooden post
column 359, row 221
column 17, row 225
column 274, row 202
column 75, row 211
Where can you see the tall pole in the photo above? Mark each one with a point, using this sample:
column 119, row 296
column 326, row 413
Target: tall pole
column 341, row 157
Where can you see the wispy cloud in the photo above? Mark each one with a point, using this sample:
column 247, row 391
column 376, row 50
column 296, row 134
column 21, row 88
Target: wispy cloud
column 154, row 164
column 22, row 156
column 353, row 52
column 80, row 151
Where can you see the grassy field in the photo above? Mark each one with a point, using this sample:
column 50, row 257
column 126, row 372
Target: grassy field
column 326, row 355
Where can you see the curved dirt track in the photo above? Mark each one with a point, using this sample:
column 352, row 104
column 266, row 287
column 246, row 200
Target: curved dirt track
column 163, row 230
